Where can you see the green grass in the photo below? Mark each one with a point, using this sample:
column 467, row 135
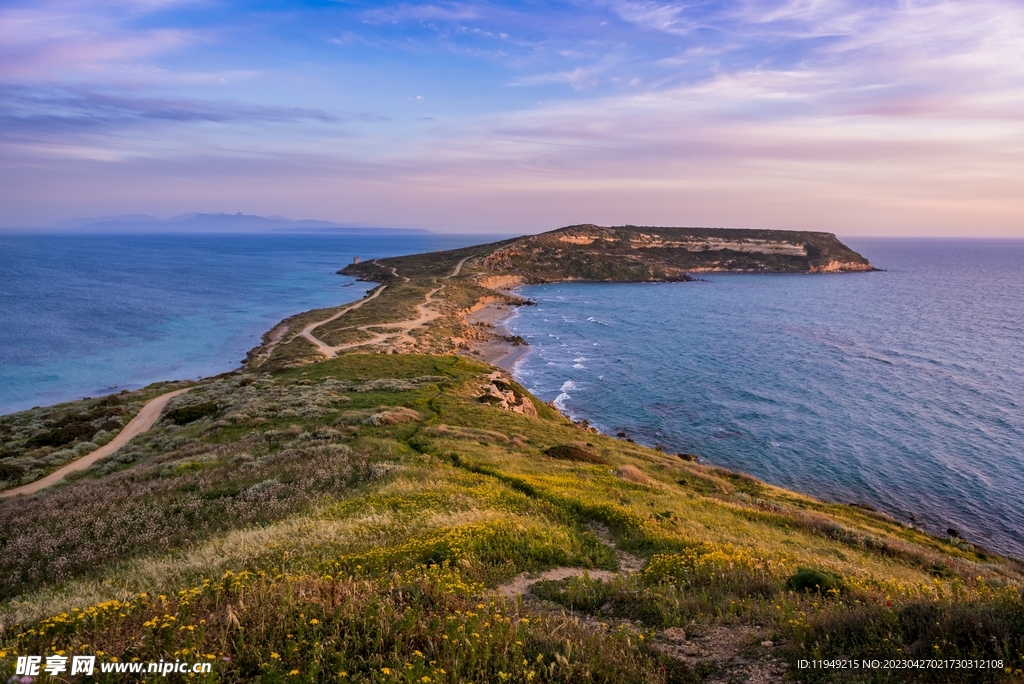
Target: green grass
column 301, row 538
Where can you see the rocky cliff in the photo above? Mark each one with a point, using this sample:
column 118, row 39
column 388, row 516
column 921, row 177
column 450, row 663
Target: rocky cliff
column 630, row 253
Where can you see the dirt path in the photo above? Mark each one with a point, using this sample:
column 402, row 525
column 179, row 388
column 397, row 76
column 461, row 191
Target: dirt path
column 144, row 420
column 628, row 563
column 326, row 349
column 400, row 329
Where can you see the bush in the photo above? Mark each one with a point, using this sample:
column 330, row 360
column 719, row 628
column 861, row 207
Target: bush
column 819, row 581
column 573, row 452
column 190, row 414
column 10, row 471
column 63, row 435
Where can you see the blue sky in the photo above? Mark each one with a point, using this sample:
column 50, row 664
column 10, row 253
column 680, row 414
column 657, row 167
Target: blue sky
column 892, row 118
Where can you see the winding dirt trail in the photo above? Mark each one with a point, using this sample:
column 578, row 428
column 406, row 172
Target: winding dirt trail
column 400, row 329
column 142, row 421
column 326, row 349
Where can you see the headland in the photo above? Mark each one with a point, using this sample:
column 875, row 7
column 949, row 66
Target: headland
column 447, row 302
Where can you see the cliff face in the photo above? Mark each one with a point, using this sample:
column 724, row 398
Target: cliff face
column 630, row 253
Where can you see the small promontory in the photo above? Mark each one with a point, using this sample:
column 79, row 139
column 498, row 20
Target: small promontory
column 637, row 254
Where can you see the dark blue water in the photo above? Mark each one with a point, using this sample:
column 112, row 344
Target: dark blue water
column 902, row 389
column 81, row 315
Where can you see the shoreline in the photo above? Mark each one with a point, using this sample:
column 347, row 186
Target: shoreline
column 494, row 347
column 491, row 340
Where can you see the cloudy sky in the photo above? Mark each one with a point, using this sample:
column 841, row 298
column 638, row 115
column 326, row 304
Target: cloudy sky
column 862, row 118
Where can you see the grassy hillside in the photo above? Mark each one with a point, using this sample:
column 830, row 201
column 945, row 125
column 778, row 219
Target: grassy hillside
column 370, row 518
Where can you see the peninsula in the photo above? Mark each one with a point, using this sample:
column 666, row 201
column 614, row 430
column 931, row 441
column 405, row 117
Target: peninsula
column 426, row 302
column 367, row 500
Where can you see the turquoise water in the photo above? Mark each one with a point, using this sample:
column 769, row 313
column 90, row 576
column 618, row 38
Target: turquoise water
column 84, row 315
column 902, row 389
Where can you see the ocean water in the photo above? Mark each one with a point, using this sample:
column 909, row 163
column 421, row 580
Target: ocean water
column 85, row 315
column 901, row 389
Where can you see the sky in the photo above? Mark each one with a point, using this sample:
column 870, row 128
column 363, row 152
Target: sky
column 860, row 118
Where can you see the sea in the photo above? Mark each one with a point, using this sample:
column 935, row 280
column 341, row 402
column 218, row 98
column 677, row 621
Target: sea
column 902, row 389
column 83, row 315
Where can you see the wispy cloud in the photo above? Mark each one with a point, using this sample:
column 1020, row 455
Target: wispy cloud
column 422, row 12
column 579, row 78
column 32, row 114
column 65, row 38
column 668, row 17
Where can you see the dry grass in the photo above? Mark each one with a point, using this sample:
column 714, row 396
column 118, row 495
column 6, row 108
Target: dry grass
column 630, row 473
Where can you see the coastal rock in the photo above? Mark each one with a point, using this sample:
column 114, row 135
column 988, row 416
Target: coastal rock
column 674, row 634
column 501, row 392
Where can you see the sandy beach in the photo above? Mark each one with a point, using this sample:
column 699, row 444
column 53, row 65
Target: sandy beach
column 496, row 349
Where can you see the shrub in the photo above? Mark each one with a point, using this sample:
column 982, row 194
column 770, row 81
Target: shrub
column 392, row 417
column 574, row 452
column 631, row 473
column 812, row 579
column 63, row 435
column 189, row 414
column 10, row 471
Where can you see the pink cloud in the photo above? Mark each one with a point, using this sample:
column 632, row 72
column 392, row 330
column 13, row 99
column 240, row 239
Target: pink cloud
column 61, row 40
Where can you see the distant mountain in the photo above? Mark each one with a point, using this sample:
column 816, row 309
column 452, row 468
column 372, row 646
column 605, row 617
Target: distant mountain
column 79, row 221
column 215, row 223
